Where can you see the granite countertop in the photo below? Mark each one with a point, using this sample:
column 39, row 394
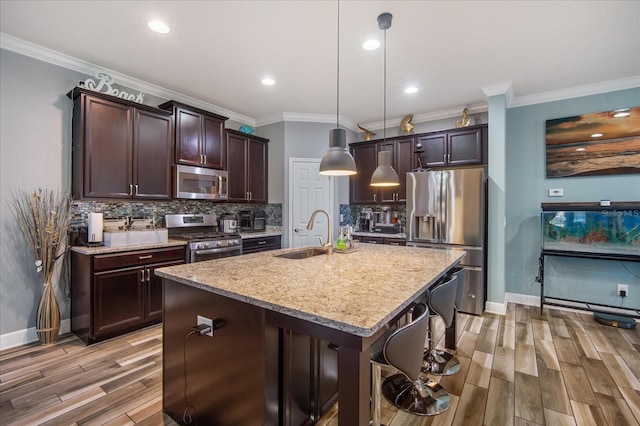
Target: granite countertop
column 357, row 292
column 398, row 236
column 104, row 250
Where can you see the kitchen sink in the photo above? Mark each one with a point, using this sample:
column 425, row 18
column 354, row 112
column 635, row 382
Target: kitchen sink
column 302, row 254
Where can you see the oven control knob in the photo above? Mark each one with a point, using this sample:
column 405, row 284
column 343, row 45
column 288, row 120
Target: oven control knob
column 236, row 242
column 204, row 245
column 218, row 243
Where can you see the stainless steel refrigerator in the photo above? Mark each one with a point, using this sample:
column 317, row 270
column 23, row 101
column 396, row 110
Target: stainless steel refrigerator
column 447, row 209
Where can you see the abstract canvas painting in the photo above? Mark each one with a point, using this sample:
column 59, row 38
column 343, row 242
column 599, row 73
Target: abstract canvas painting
column 602, row 143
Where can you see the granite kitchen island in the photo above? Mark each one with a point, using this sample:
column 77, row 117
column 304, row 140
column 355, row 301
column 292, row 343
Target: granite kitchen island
column 236, row 376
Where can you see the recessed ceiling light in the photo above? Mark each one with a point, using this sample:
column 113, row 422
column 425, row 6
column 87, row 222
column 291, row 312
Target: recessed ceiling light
column 597, row 135
column 581, row 149
column 159, row 27
column 371, row 44
column 619, row 113
column 411, row 90
column 268, row 81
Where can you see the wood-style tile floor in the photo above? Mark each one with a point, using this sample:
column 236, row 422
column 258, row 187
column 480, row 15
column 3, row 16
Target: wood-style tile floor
column 558, row 368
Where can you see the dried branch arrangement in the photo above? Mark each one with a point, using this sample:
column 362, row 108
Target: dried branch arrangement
column 43, row 216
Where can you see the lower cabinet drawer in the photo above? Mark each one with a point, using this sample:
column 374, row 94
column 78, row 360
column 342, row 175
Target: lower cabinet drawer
column 254, row 245
column 104, row 262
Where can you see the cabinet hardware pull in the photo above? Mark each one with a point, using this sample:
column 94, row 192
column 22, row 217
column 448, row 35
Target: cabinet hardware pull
column 148, row 275
column 373, row 242
column 149, row 256
column 250, row 195
column 449, row 158
column 444, row 158
column 374, row 198
column 136, row 193
column 141, row 275
column 205, row 159
column 262, row 242
column 394, row 244
column 130, row 190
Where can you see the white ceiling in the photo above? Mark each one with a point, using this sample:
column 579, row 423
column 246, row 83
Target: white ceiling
column 217, row 51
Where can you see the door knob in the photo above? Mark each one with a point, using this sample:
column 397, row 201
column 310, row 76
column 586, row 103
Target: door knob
column 297, row 230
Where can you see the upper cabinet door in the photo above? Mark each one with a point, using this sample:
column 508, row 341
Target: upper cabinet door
column 107, row 148
column 404, row 163
column 188, row 136
column 152, row 155
column 213, row 143
column 257, row 171
column 465, row 147
column 434, row 149
column 237, row 167
column 360, row 190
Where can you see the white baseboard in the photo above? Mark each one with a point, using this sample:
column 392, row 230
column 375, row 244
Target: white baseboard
column 501, row 308
column 23, row 337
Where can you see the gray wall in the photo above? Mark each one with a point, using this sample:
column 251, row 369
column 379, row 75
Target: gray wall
column 275, row 134
column 35, row 136
column 310, row 140
column 527, row 187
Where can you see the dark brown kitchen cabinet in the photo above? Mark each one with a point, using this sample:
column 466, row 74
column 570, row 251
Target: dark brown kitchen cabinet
column 247, row 157
column 256, row 245
column 360, row 190
column 120, row 149
column 199, row 136
column 403, row 162
column 454, row 147
column 115, row 293
column 366, row 158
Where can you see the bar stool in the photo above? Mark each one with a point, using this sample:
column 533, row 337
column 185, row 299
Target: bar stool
column 403, row 350
column 441, row 298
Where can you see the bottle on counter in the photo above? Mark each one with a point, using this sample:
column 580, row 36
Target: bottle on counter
column 341, row 244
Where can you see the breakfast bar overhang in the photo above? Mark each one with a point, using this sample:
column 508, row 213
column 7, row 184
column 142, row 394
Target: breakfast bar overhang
column 345, row 299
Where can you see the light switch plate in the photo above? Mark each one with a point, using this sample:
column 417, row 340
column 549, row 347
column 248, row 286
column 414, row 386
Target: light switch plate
column 556, row 192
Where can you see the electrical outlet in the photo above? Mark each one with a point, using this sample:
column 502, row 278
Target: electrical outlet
column 206, row 321
column 556, row 192
column 621, row 288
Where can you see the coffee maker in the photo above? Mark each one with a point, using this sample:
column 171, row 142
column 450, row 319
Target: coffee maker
column 366, row 221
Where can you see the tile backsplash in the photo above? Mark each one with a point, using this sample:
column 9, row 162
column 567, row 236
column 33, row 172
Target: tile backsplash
column 118, row 209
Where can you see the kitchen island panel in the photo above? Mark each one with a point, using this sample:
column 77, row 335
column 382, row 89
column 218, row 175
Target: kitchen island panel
column 226, row 373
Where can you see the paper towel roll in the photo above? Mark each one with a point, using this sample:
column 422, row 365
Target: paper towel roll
column 94, row 231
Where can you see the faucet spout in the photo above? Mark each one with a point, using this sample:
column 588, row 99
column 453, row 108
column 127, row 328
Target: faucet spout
column 329, row 245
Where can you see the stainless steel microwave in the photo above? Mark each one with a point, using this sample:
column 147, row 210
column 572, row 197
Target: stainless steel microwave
column 199, row 183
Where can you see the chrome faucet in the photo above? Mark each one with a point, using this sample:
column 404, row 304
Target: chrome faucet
column 329, row 245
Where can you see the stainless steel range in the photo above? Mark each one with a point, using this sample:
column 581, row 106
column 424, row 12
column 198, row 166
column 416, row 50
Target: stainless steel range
column 201, row 231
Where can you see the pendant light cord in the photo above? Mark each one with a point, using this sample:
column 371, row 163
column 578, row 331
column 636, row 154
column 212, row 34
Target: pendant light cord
column 338, row 74
column 384, row 95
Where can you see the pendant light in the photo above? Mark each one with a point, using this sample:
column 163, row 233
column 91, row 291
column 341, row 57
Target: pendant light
column 337, row 161
column 384, row 174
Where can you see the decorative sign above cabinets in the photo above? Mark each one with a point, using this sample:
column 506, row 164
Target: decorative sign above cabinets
column 104, row 84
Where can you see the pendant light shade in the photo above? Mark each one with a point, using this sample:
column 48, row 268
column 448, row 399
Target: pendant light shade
column 337, row 161
column 384, row 174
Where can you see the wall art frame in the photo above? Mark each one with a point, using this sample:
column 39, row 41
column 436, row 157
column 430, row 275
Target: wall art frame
column 602, row 143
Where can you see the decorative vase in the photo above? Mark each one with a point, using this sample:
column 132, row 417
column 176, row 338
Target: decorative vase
column 48, row 316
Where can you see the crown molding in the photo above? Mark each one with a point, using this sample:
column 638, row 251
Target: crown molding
column 306, row 118
column 54, row 57
column 579, row 91
column 429, row 116
column 501, row 89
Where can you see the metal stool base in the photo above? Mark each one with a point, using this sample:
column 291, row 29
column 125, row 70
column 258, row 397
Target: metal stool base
column 402, row 393
column 440, row 363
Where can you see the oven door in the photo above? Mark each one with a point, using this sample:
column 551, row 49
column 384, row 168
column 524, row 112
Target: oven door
column 215, row 253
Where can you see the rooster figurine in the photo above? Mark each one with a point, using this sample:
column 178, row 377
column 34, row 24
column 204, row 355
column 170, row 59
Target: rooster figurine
column 367, row 133
column 405, row 125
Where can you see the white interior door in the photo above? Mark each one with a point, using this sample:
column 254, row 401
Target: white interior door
column 308, row 191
